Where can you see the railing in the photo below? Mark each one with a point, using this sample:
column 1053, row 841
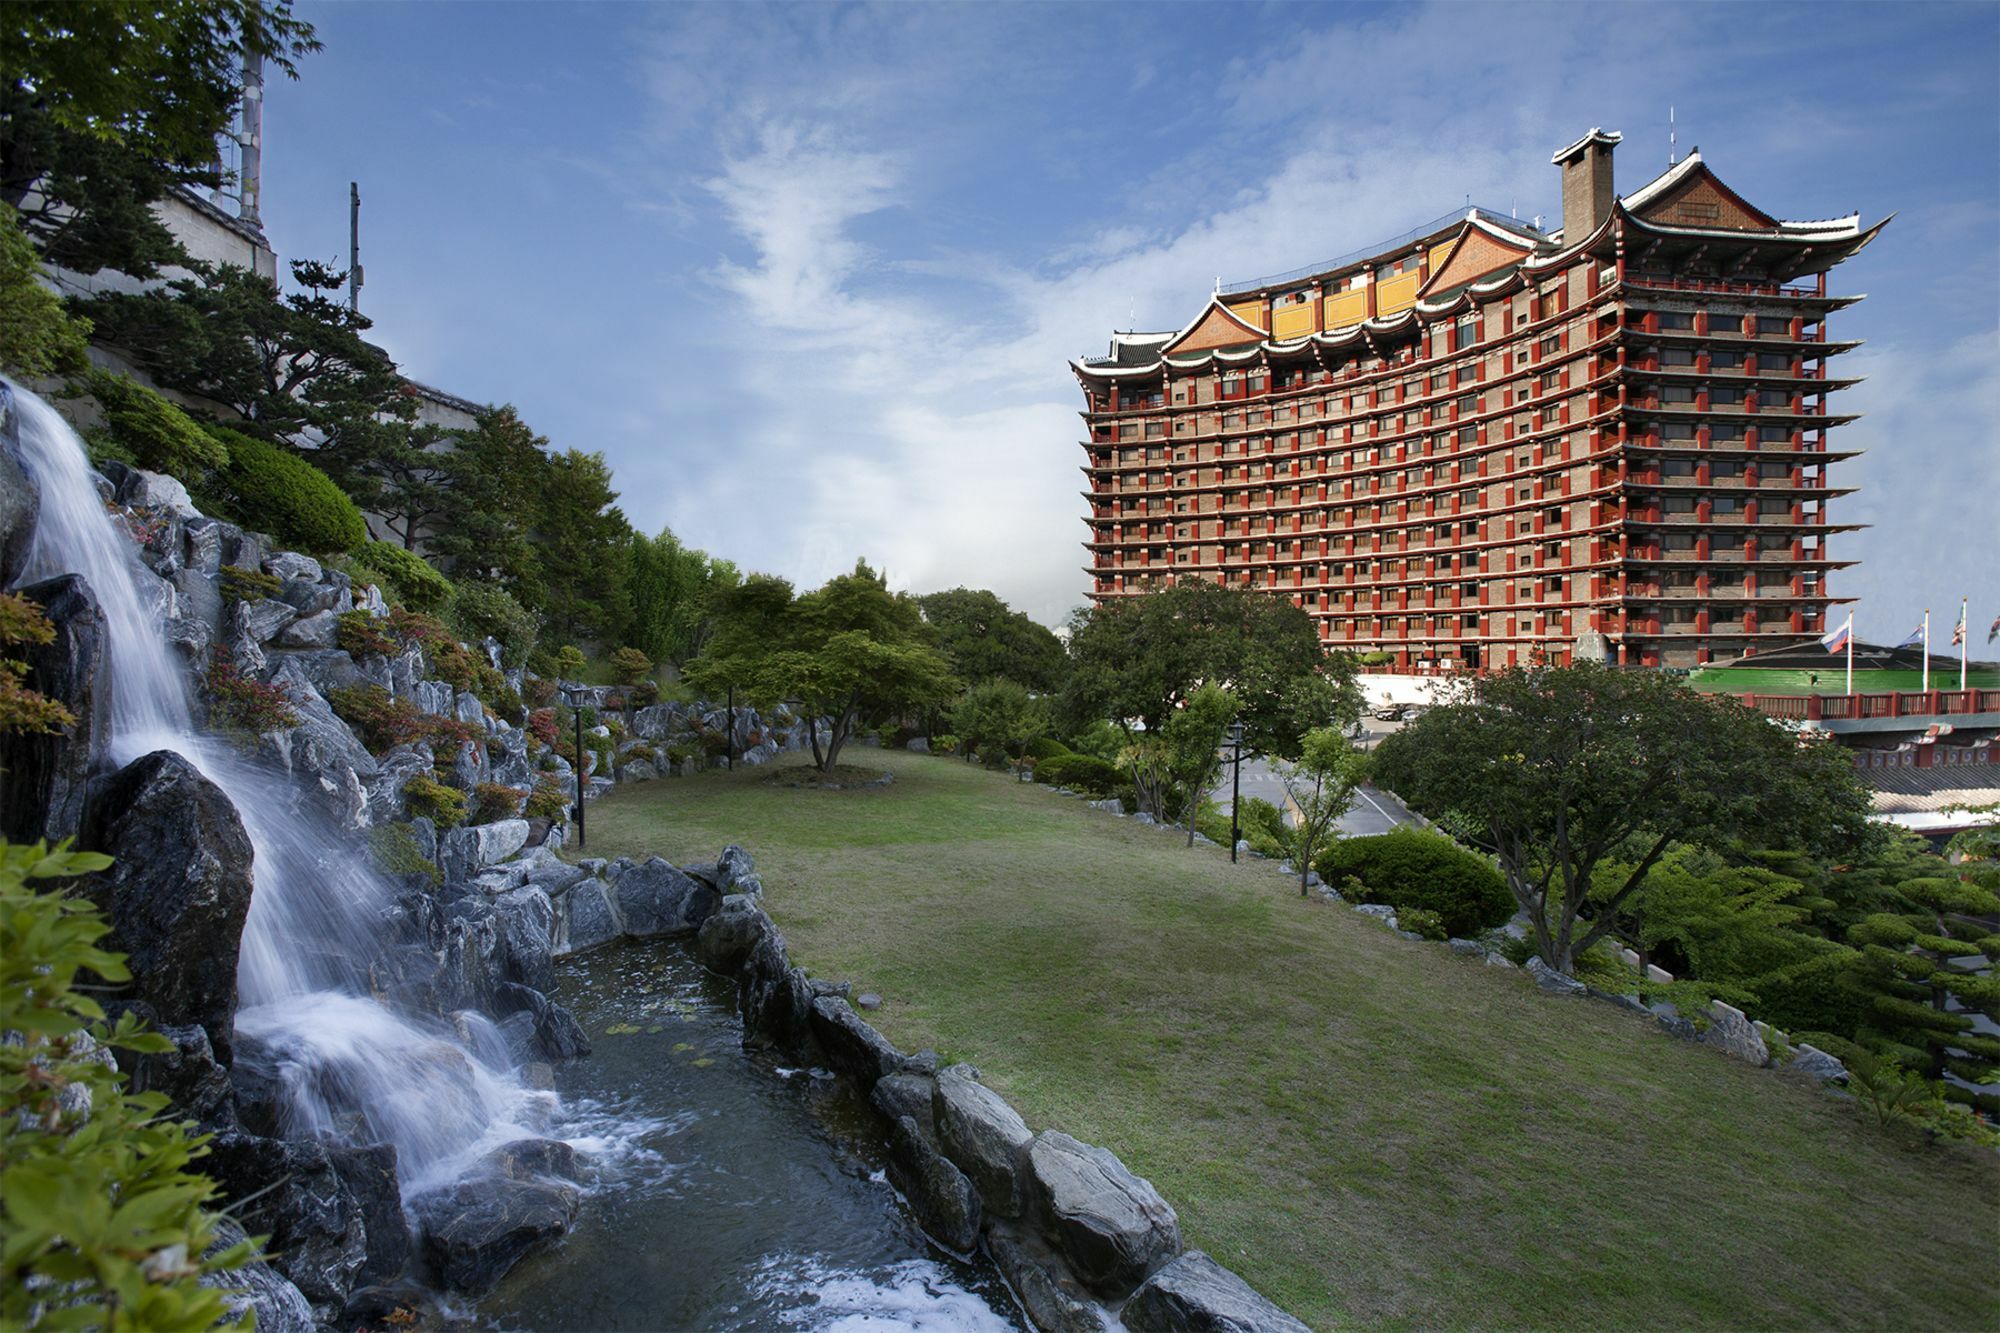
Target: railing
column 1892, row 704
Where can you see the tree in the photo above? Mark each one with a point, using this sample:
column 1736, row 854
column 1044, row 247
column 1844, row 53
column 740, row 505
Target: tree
column 490, row 483
column 846, row 651
column 37, row 337
column 582, row 549
column 1557, row 770
column 672, row 603
column 1321, row 785
column 985, row 639
column 1140, row 658
column 1173, row 767
column 107, row 106
column 1000, row 714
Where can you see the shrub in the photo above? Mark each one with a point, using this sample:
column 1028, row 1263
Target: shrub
column 23, row 709
column 424, row 796
column 542, row 725
column 480, row 611
column 1106, row 740
column 497, row 801
column 538, row 691
column 249, row 585
column 407, row 577
column 1046, row 747
column 104, row 1219
column 450, row 660
column 1212, row 822
column 570, row 661
column 38, row 337
column 947, row 743
column 159, row 436
column 1080, row 772
column 549, row 800
column 396, row 852
column 383, row 722
column 1418, row 921
column 240, row 703
column 361, row 634
column 1411, row 868
column 276, row 492
column 631, row 665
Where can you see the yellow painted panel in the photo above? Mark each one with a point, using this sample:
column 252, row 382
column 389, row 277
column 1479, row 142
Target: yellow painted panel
column 1292, row 321
column 1347, row 309
column 1397, row 293
column 1438, row 252
column 1251, row 314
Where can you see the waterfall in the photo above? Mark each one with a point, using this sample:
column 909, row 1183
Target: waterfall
column 350, row 1065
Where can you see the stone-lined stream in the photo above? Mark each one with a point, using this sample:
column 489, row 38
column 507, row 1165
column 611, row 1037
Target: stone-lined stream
column 742, row 1194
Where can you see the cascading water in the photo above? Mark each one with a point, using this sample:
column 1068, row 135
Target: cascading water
column 751, row 1215
column 349, row 1064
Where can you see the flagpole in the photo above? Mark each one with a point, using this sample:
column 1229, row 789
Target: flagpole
column 1850, row 653
column 1963, row 639
column 1927, row 650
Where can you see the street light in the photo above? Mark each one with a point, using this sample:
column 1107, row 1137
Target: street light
column 573, row 695
column 1235, row 785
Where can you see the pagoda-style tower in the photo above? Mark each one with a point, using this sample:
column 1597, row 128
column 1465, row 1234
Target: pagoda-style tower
column 1484, row 444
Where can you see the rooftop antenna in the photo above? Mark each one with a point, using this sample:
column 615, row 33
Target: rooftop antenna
column 354, row 246
column 1672, row 140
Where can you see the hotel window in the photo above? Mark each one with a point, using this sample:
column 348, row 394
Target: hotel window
column 1468, row 404
column 1674, row 319
column 1552, row 344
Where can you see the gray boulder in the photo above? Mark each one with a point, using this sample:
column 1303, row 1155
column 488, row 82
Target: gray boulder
column 917, row 745
column 155, row 490
column 1195, row 1294
column 177, row 891
column 1732, row 1034
column 1112, row 1226
column 638, row 770
column 475, row 1232
column 369, row 1176
column 1812, row 1061
column 852, row 1047
column 656, row 899
column 261, row 621
column 729, row 934
column 983, row 1136
column 589, row 918
column 464, row 852
column 20, row 495
column 257, row 1288
column 907, row 1095
column 526, row 920
column 946, row 1205
column 189, row 1074
column 292, row 1191
column 289, row 565
column 1469, row 948
column 312, row 631
column 47, row 774
column 1055, row 1301
column 1552, row 981
column 384, row 788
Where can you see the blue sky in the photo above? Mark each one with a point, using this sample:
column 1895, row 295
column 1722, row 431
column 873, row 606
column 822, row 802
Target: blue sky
column 809, row 276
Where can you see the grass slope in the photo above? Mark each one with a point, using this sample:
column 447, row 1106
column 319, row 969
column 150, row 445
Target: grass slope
column 1372, row 1131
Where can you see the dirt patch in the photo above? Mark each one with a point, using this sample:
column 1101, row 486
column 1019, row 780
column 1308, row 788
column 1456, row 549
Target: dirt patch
column 841, row 777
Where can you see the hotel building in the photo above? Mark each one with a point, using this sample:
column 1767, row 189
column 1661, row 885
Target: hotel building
column 1486, row 443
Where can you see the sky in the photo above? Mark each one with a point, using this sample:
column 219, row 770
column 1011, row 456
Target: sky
column 810, row 276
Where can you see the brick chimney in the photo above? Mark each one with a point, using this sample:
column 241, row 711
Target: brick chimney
column 1587, row 192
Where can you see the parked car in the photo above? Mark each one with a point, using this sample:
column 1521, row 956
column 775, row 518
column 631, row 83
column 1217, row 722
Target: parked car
column 1389, row 713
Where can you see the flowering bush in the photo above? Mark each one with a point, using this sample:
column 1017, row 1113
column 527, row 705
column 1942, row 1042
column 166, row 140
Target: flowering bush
column 383, row 722
column 239, row 703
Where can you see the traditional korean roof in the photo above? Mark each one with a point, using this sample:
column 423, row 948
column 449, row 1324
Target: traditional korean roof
column 1216, row 321
column 1609, row 138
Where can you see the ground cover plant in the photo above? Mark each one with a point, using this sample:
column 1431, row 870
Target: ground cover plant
column 1371, row 1130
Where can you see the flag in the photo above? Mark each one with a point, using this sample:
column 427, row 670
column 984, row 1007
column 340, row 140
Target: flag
column 1914, row 637
column 1993, row 631
column 1958, row 630
column 1835, row 641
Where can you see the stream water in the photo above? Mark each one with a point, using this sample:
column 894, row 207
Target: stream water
column 745, row 1198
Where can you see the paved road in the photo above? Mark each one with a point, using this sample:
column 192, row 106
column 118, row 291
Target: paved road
column 1373, row 811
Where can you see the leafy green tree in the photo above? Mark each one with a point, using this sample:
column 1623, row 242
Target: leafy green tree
column 847, row 651
column 1557, row 770
column 37, row 337
column 105, row 1222
column 985, row 639
column 1321, row 784
column 582, row 549
column 293, row 367
column 1140, row 658
column 1173, row 768
column 672, row 589
column 488, row 490
column 1000, row 714
column 107, row 106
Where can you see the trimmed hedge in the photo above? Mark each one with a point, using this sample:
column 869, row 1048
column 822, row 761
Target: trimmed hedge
column 158, row 435
column 409, row 578
column 275, row 492
column 1044, row 748
column 1080, row 772
column 1411, row 868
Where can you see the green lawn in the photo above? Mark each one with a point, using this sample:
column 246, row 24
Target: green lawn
column 1833, row 680
column 1372, row 1131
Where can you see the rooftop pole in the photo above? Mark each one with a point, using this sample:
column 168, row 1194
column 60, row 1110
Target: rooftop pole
column 354, row 246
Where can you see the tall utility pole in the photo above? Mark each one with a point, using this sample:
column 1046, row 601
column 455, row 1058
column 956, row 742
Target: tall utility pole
column 354, row 246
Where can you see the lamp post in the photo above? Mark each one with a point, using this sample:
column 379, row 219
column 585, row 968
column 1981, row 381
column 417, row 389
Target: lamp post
column 573, row 696
column 1235, row 785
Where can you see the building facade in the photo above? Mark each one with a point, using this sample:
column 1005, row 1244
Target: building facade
column 1485, row 444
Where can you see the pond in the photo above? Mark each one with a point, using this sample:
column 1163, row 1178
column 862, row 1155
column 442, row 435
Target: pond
column 726, row 1190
